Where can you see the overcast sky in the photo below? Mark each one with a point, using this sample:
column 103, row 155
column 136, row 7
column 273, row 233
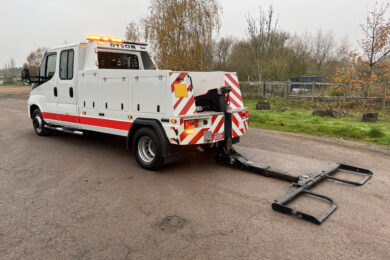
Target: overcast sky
column 29, row 24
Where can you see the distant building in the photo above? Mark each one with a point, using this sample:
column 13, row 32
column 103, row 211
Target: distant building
column 1, row 80
column 305, row 79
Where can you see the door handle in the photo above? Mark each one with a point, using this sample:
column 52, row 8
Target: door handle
column 55, row 91
column 71, row 92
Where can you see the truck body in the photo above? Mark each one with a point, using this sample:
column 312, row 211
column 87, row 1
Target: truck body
column 111, row 86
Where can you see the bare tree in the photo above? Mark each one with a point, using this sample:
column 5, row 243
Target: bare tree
column 133, row 32
column 182, row 31
column 323, row 47
column 376, row 41
column 222, row 52
column 265, row 38
column 34, row 60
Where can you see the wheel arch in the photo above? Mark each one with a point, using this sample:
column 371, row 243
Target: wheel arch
column 32, row 107
column 158, row 129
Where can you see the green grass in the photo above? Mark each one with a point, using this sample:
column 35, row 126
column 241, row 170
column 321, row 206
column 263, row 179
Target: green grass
column 299, row 119
column 12, row 85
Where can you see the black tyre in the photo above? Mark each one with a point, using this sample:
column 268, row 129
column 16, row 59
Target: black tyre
column 39, row 123
column 147, row 149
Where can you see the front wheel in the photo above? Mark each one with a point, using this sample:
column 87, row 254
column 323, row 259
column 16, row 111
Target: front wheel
column 147, row 149
column 39, row 123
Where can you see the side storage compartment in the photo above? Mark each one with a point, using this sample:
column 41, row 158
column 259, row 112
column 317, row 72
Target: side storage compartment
column 114, row 93
column 89, row 91
column 149, row 94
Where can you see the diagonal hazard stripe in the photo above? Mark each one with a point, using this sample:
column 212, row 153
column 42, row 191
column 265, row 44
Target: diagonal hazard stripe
column 181, row 75
column 198, row 136
column 235, row 121
column 236, row 105
column 234, row 133
column 183, row 136
column 187, row 106
column 232, row 80
column 218, row 126
column 177, row 103
column 213, row 119
column 236, row 94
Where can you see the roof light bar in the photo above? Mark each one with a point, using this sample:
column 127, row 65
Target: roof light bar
column 104, row 38
column 94, row 38
column 117, row 40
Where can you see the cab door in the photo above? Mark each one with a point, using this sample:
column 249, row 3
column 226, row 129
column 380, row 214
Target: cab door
column 48, row 88
column 67, row 94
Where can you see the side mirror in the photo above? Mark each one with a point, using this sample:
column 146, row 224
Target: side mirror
column 26, row 76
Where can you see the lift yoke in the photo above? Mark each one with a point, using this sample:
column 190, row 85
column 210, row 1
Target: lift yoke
column 301, row 184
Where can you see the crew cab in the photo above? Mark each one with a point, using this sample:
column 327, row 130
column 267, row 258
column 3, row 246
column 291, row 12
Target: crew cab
column 114, row 87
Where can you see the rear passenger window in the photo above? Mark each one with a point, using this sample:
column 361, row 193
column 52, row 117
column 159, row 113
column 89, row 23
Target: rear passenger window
column 120, row 61
column 66, row 64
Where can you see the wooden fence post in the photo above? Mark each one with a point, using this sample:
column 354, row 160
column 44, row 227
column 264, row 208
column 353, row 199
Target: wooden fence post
column 384, row 94
column 313, row 88
column 345, row 87
column 285, row 89
column 264, row 86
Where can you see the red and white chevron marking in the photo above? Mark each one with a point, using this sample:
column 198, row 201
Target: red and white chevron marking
column 195, row 138
column 239, row 124
column 231, row 79
column 182, row 105
column 217, row 129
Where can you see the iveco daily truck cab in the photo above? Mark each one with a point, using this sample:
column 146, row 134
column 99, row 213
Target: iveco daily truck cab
column 111, row 86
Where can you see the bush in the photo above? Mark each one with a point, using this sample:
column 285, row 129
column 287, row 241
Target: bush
column 376, row 132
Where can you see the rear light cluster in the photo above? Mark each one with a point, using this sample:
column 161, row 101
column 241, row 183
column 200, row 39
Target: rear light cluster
column 246, row 114
column 189, row 124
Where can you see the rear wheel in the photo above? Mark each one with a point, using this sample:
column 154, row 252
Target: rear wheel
column 39, row 123
column 147, row 149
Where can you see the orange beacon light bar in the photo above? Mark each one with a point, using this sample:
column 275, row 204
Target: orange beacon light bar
column 105, row 39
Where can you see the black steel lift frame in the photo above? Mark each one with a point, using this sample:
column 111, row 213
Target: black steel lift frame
column 301, row 184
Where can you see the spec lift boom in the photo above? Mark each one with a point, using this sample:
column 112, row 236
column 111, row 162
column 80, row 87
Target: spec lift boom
column 301, row 184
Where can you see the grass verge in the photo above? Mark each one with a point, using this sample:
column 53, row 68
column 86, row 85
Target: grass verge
column 12, row 85
column 298, row 119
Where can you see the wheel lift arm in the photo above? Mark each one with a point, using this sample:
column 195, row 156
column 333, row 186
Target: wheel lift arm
column 301, row 184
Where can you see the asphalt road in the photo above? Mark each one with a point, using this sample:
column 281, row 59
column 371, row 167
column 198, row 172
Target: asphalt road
column 72, row 197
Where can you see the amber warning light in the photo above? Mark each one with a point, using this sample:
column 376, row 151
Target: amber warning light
column 104, row 39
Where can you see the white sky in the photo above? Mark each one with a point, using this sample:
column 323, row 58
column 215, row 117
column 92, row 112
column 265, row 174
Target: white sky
column 29, row 24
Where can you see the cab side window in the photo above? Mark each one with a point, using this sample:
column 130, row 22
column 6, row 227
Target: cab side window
column 66, row 64
column 48, row 67
column 42, row 70
column 51, row 66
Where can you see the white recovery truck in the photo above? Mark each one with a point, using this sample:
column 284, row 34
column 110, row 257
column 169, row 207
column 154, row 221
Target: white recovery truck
column 111, row 86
